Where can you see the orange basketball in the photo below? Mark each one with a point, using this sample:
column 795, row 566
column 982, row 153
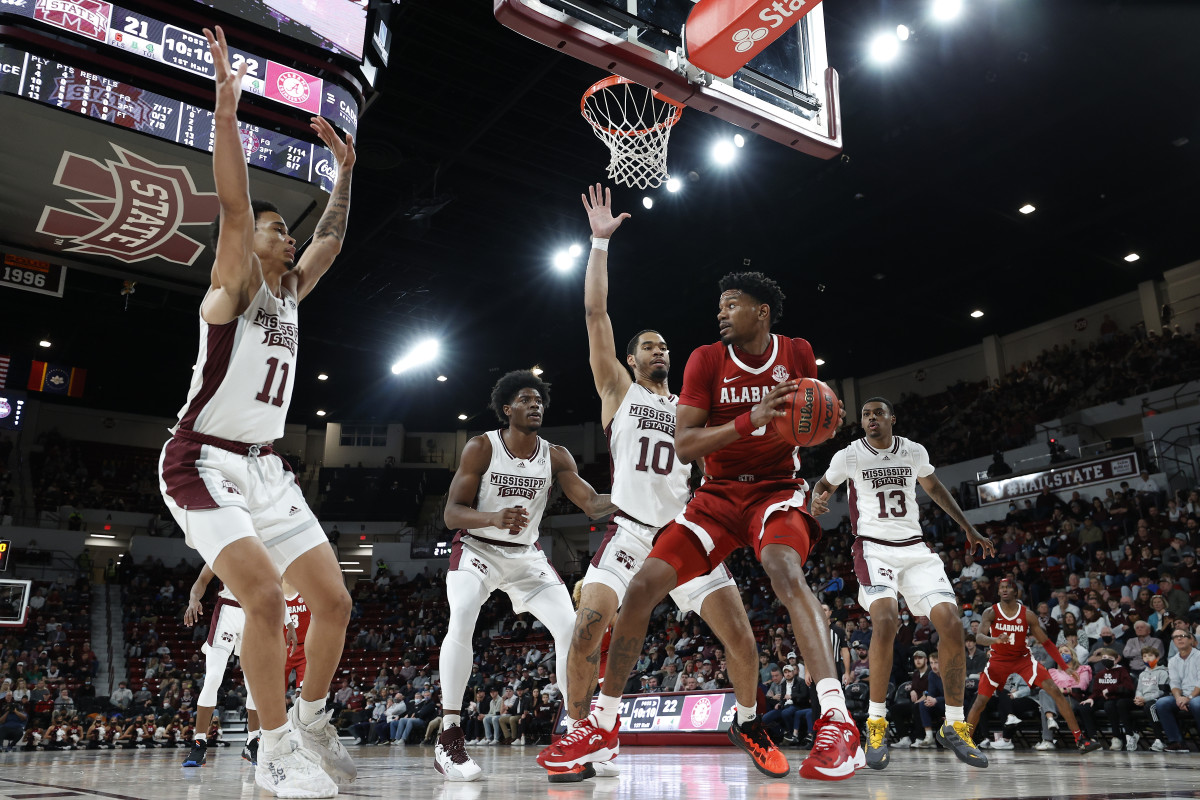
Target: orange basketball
column 810, row 414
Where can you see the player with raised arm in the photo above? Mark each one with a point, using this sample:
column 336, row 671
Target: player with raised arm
column 1010, row 653
column 751, row 497
column 495, row 502
column 650, row 487
column 236, row 499
column 892, row 559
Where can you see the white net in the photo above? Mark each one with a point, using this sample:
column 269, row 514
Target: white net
column 635, row 123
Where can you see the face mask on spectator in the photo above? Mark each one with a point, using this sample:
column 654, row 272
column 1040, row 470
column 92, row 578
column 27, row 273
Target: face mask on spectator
column 1106, row 639
column 904, row 617
column 1151, row 661
column 1107, row 663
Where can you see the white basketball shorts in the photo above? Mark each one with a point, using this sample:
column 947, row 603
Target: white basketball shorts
column 625, row 547
column 225, row 630
column 520, row 571
column 913, row 571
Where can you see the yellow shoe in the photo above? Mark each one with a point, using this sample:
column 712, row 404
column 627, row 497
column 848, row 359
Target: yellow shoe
column 956, row 737
column 877, row 749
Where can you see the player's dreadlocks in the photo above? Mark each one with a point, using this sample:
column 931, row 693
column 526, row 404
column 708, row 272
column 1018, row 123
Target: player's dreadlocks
column 510, row 385
column 758, row 286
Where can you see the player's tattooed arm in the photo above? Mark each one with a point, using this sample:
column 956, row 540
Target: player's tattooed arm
column 331, row 228
column 588, row 619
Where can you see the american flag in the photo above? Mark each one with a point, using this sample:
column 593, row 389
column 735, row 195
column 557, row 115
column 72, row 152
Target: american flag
column 4, row 370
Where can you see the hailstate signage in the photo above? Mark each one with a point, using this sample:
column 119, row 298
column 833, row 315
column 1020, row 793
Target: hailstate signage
column 1064, row 478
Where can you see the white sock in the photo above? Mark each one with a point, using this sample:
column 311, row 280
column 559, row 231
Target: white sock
column 309, row 710
column 450, row 720
column 829, row 692
column 996, row 735
column 202, row 740
column 570, row 723
column 272, row 739
column 877, row 710
column 929, row 734
column 605, row 712
column 955, row 714
column 252, row 735
column 745, row 714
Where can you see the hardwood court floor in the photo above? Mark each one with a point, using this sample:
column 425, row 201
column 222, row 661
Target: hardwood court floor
column 661, row 773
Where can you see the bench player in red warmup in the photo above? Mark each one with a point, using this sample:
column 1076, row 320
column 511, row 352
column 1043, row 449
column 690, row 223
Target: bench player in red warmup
column 750, row 497
column 1014, row 624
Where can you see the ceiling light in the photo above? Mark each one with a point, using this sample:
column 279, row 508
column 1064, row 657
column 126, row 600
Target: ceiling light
column 674, row 184
column 351, row 570
column 648, row 202
column 820, row 362
column 442, row 378
column 902, row 33
column 422, row 352
column 739, row 140
column 977, row 313
column 885, row 47
column 43, row 343
column 462, row 417
column 723, row 152
column 946, row 10
column 320, row 412
column 103, row 536
column 575, row 250
column 322, row 377
column 536, row 370
column 563, row 260
column 348, row 563
column 1132, row 257
column 1027, row 209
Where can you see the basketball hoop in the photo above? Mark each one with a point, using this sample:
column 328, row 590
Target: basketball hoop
column 635, row 123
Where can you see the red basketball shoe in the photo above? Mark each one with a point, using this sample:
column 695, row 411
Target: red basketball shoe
column 587, row 743
column 834, row 751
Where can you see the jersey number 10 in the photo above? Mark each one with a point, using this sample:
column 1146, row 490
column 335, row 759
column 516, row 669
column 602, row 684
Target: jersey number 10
column 663, row 459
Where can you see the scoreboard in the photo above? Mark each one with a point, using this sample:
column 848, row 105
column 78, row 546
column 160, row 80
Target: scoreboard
column 53, row 83
column 187, row 50
column 673, row 717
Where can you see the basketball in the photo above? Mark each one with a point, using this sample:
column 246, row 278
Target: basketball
column 810, row 414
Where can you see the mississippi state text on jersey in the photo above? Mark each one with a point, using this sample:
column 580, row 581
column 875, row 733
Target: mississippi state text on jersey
column 883, row 488
column 512, row 481
column 242, row 384
column 727, row 382
column 649, row 482
column 1016, row 626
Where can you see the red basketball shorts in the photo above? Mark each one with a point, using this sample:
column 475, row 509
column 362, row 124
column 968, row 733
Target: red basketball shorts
column 998, row 669
column 726, row 515
column 295, row 661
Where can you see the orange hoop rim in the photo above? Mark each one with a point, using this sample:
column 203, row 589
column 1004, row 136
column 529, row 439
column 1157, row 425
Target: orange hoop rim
column 617, row 80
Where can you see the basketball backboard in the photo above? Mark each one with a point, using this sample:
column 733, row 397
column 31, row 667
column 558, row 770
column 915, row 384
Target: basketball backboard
column 788, row 93
column 14, row 602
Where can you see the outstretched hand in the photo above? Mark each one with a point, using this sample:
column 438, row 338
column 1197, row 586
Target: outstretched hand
column 598, row 203
column 342, row 151
column 191, row 614
column 819, row 504
column 975, row 539
column 229, row 82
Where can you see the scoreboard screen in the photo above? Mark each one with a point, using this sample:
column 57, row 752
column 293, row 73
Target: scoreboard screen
column 339, row 26
column 73, row 89
column 673, row 712
column 187, row 50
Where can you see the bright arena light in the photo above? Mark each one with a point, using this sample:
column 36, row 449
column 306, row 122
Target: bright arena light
column 320, row 412
column 648, row 202
column 563, row 260
column 902, row 33
column 739, row 140
column 885, row 47
column 1132, row 257
column 462, row 417
column 44, row 343
column 723, row 152
column 442, row 378
column 820, row 362
column 322, row 377
column 423, row 352
column 1027, row 209
column 946, row 10
column 575, row 250
column 537, row 370
column 976, row 313
column 674, row 184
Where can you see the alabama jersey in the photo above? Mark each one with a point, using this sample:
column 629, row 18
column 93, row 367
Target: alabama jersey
column 242, row 383
column 512, row 481
column 883, row 488
column 727, row 382
column 649, row 482
column 298, row 615
column 1017, row 628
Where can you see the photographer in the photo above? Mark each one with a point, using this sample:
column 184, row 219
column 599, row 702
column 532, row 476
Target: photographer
column 12, row 721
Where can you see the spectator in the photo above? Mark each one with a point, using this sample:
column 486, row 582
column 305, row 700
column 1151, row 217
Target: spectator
column 918, row 688
column 998, row 468
column 976, row 656
column 1112, row 690
column 1154, row 682
column 63, row 704
column 1184, row 673
column 12, row 722
column 491, row 719
column 1137, row 644
column 931, row 705
column 792, row 707
column 1073, row 682
column 1178, row 601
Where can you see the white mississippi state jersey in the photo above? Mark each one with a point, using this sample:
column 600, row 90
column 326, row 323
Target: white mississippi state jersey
column 883, row 488
column 512, row 481
column 648, row 482
column 245, row 370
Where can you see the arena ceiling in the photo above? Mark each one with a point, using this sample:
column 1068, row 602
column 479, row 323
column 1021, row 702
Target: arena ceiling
column 472, row 160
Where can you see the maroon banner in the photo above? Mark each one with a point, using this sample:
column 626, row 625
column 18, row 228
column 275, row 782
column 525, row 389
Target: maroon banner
column 1067, row 477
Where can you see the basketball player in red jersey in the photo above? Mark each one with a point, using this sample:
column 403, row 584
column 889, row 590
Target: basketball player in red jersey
column 650, row 487
column 297, row 619
column 750, row 497
column 1010, row 653
column 236, row 500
